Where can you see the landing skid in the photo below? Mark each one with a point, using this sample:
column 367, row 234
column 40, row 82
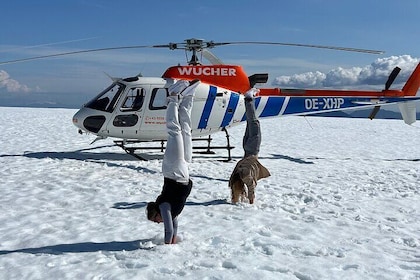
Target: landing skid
column 131, row 146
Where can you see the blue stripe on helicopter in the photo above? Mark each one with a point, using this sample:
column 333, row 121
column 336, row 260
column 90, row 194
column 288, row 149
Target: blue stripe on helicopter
column 230, row 110
column 272, row 107
column 207, row 107
column 297, row 105
column 256, row 102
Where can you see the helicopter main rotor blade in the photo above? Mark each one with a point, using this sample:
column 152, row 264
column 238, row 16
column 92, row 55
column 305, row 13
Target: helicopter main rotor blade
column 211, row 57
column 82, row 51
column 197, row 45
column 298, row 45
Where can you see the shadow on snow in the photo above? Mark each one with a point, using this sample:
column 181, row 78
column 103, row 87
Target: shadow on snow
column 82, row 155
column 89, row 247
column 85, row 247
column 297, row 160
column 136, row 205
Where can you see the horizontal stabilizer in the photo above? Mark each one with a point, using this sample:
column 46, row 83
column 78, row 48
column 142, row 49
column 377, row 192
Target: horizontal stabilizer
column 408, row 111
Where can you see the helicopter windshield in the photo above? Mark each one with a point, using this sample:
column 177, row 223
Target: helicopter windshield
column 107, row 99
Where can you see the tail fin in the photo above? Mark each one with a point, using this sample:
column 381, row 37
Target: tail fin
column 413, row 83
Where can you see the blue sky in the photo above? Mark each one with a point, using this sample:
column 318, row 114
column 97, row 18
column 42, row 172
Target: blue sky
column 33, row 28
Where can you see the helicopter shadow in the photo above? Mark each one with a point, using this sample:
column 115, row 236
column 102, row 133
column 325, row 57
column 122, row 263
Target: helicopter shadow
column 208, row 203
column 84, row 247
column 84, row 155
column 137, row 205
column 292, row 159
column 302, row 161
column 278, row 156
column 81, row 154
column 129, row 205
column 77, row 155
column 209, row 178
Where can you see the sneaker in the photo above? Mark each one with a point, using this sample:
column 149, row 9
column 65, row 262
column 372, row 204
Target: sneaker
column 177, row 87
column 251, row 93
column 190, row 90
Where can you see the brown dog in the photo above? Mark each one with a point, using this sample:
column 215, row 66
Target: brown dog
column 240, row 192
column 244, row 177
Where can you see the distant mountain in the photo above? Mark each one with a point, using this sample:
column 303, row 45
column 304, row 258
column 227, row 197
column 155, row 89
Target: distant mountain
column 382, row 114
column 364, row 113
column 44, row 100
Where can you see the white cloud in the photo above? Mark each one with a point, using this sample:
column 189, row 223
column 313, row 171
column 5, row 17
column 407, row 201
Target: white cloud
column 308, row 79
column 341, row 76
column 374, row 74
column 11, row 85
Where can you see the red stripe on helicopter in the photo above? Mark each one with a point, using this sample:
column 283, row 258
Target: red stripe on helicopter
column 230, row 77
column 328, row 93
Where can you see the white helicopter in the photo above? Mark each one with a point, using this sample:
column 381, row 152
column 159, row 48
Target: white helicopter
column 133, row 109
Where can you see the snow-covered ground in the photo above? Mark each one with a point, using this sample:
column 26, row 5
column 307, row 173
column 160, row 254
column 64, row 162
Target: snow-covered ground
column 343, row 202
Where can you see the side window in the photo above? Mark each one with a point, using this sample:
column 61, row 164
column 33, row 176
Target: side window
column 125, row 120
column 158, row 100
column 134, row 100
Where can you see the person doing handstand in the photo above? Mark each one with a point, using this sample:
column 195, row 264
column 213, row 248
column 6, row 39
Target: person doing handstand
column 248, row 170
column 177, row 183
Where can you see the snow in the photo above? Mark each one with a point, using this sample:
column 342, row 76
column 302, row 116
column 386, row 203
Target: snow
column 342, row 203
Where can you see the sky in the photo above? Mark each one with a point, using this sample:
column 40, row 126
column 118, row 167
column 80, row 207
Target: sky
column 46, row 27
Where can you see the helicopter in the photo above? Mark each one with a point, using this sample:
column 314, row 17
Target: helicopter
column 132, row 109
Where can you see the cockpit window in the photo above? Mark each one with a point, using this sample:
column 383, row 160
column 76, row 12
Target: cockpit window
column 106, row 100
column 158, row 100
column 134, row 100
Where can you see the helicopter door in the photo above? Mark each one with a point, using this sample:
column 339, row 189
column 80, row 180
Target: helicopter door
column 128, row 116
